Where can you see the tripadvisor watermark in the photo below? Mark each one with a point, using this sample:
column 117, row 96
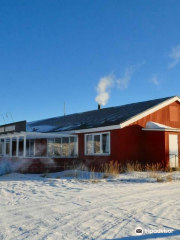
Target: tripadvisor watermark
column 140, row 231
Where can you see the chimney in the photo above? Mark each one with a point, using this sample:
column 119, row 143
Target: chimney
column 99, row 106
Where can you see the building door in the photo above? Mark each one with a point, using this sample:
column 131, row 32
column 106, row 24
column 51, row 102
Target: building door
column 173, row 151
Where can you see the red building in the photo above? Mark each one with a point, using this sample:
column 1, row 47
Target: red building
column 145, row 131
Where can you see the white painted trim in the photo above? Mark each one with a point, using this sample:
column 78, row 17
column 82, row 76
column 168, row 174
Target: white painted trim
column 153, row 109
column 97, row 154
column 176, row 156
column 36, row 157
column 34, row 135
column 17, row 146
column 5, row 147
column 48, row 156
column 24, row 146
column 10, row 147
column 91, row 130
column 162, row 129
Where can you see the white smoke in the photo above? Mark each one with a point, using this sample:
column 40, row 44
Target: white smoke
column 103, row 89
column 124, row 81
column 109, row 81
column 9, row 166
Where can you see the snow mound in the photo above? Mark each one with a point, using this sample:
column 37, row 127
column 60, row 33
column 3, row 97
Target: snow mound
column 154, row 125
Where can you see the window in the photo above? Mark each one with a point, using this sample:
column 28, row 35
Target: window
column 97, row 143
column 89, row 144
column 97, row 147
column 50, row 146
column 57, row 147
column 30, row 146
column 63, row 147
column 1, row 147
column 7, row 146
column 105, row 143
column 14, row 145
column 73, row 148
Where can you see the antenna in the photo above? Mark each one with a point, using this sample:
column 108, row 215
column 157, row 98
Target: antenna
column 3, row 118
column 11, row 116
column 64, row 109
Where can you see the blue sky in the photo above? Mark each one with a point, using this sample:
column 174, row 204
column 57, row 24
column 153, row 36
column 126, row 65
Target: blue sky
column 54, row 51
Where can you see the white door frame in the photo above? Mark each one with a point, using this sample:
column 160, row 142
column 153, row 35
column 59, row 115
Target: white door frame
column 173, row 150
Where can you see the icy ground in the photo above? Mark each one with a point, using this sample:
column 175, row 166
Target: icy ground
column 60, row 207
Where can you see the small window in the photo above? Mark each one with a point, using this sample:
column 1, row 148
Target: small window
column 97, row 143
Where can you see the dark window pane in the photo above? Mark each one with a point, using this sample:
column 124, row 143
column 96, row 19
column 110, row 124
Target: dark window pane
column 31, row 150
column 1, row 148
column 96, row 143
column 27, row 147
column 105, row 143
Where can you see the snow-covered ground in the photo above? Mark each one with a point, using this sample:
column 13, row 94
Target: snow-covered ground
column 56, row 206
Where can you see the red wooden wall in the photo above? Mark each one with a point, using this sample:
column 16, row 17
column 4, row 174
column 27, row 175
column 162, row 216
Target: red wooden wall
column 127, row 144
column 132, row 144
column 163, row 116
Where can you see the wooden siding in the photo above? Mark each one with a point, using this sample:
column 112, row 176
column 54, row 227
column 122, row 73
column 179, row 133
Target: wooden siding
column 127, row 144
column 133, row 144
column 162, row 116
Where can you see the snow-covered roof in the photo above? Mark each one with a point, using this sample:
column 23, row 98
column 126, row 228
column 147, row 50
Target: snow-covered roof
column 155, row 125
column 96, row 118
column 159, row 127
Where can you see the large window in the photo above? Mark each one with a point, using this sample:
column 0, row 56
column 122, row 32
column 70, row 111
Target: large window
column 63, row 147
column 97, row 143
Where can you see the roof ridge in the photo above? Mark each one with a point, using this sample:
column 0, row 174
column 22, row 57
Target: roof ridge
column 52, row 118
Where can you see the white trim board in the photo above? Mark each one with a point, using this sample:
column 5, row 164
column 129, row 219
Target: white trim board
column 151, row 110
column 97, row 154
column 89, row 130
column 162, row 129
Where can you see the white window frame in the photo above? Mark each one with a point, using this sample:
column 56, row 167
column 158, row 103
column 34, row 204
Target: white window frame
column 97, row 154
column 54, row 156
column 7, row 155
column 2, row 143
column 31, row 155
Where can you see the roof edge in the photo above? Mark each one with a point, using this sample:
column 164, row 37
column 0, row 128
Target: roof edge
column 149, row 111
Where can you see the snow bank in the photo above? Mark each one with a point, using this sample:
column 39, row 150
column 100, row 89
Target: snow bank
column 33, row 207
